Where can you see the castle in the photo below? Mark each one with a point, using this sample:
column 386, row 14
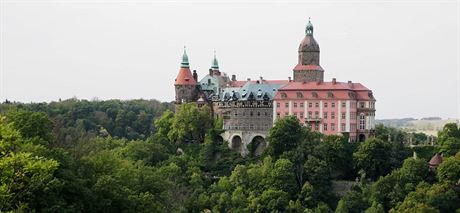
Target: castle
column 249, row 108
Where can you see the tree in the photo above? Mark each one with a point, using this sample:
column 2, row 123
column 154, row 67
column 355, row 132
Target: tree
column 450, row 130
column 285, row 136
column 163, row 124
column 393, row 188
column 271, row 200
column 282, row 176
column 450, row 146
column 21, row 173
column 32, row 124
column 373, row 156
column 190, row 123
column 449, row 171
column 351, row 202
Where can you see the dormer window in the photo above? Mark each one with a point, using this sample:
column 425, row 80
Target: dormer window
column 330, row 94
column 259, row 93
column 351, row 94
column 314, row 94
column 283, row 95
column 299, row 95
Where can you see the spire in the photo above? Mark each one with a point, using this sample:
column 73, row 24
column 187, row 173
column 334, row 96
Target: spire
column 309, row 28
column 215, row 64
column 185, row 63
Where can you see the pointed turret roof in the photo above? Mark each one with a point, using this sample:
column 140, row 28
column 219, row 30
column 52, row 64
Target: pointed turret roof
column 185, row 63
column 185, row 76
column 215, row 64
column 309, row 28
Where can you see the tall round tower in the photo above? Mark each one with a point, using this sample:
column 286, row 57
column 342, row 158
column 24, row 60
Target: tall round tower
column 308, row 68
column 185, row 83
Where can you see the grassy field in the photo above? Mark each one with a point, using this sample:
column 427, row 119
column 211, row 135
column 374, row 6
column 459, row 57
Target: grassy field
column 429, row 127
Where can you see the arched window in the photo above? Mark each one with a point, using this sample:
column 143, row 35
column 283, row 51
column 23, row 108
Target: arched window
column 362, row 121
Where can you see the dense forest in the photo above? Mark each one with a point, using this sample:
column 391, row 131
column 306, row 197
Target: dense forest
column 141, row 156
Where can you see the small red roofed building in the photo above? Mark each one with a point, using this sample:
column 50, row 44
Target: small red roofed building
column 435, row 161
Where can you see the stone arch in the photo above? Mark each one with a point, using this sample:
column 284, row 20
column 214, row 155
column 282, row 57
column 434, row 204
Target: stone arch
column 361, row 138
column 258, row 145
column 236, row 142
column 219, row 140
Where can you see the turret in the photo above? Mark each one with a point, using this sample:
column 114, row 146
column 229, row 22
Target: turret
column 215, row 66
column 185, row 83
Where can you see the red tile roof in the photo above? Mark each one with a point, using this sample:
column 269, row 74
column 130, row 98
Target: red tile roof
column 436, row 160
column 324, row 86
column 339, row 90
column 184, row 77
column 308, row 67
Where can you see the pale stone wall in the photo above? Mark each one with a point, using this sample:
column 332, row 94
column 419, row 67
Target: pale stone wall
column 246, row 138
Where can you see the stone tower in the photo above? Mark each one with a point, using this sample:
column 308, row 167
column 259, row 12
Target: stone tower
column 185, row 83
column 308, row 68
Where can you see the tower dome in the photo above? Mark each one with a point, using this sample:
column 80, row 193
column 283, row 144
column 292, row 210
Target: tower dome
column 309, row 48
column 308, row 68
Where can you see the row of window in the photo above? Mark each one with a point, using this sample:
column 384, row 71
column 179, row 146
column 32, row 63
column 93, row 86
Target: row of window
column 326, row 104
column 251, row 113
column 325, row 115
column 325, row 127
column 247, row 126
column 310, row 104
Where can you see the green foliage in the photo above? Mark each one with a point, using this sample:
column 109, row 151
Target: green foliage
column 76, row 120
column 373, row 156
column 21, row 173
column 101, row 156
column 449, row 171
column 190, row 123
column 449, row 139
column 426, row 198
column 285, row 136
column 32, row 124
column 351, row 202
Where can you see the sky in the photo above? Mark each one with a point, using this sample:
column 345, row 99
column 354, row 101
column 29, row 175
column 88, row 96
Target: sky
column 407, row 52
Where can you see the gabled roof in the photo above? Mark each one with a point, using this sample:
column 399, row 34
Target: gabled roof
column 242, row 83
column 250, row 90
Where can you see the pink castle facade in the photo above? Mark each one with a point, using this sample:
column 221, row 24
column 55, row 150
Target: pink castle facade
column 331, row 108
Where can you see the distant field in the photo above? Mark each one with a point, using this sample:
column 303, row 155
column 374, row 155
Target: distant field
column 427, row 126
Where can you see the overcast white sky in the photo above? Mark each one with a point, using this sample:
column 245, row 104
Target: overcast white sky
column 407, row 52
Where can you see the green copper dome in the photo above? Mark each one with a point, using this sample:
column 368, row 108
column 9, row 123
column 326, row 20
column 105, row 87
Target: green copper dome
column 309, row 28
column 185, row 63
column 215, row 64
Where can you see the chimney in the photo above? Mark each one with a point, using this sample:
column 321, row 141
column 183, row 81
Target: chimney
column 334, row 81
column 289, row 79
column 210, row 72
column 195, row 75
column 249, row 79
column 261, row 79
column 350, row 84
column 233, row 77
